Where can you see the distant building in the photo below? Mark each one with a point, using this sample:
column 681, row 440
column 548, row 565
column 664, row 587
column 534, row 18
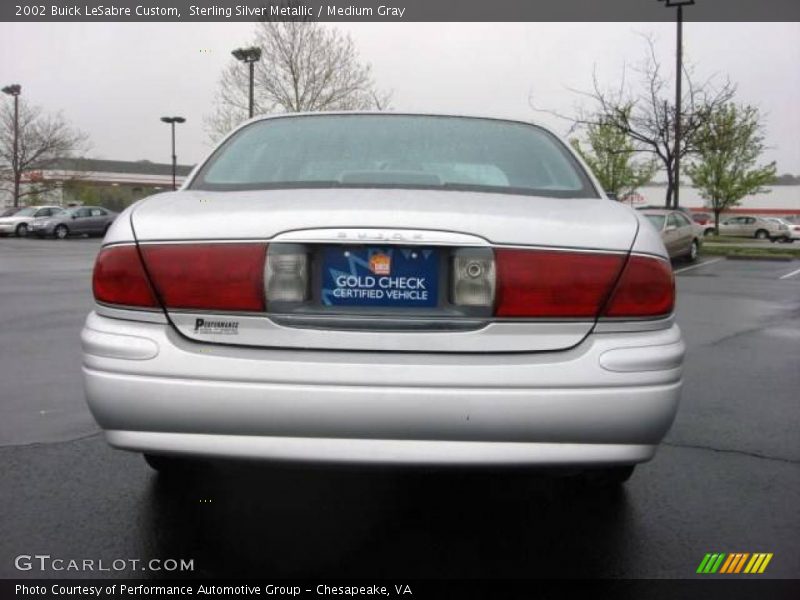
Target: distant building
column 777, row 200
column 114, row 184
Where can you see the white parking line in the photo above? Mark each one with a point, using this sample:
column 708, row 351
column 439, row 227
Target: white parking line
column 792, row 274
column 702, row 264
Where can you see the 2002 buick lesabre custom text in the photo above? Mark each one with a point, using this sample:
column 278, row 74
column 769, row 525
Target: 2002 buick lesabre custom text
column 386, row 288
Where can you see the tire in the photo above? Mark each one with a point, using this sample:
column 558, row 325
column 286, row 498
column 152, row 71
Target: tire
column 166, row 465
column 608, row 477
column 60, row 232
column 694, row 249
column 708, row 232
column 21, row 230
column 762, row 234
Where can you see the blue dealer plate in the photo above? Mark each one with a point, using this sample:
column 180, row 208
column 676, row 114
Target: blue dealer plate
column 380, row 276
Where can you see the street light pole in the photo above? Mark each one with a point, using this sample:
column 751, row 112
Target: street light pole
column 15, row 90
column 679, row 4
column 172, row 121
column 250, row 56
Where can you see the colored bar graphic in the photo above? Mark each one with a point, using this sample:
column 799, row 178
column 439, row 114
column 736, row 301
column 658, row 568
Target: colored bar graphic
column 727, row 564
column 740, row 564
column 717, row 563
column 765, row 563
column 735, row 563
column 734, row 560
column 703, row 563
column 754, row 562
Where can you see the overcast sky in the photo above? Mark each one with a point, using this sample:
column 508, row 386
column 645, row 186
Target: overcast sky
column 114, row 80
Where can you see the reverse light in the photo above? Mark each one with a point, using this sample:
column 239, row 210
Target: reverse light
column 473, row 281
column 286, row 276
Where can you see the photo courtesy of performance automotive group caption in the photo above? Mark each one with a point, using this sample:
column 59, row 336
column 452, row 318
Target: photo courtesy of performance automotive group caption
column 400, row 298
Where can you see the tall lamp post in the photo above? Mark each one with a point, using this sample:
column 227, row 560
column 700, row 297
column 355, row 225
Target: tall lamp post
column 679, row 4
column 172, row 121
column 15, row 90
column 250, row 56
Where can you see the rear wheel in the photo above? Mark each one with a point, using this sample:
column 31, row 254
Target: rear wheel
column 608, row 477
column 693, row 251
column 762, row 234
column 22, row 230
column 60, row 232
column 168, row 465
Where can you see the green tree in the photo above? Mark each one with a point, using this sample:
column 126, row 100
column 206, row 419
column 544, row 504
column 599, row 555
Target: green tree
column 728, row 147
column 610, row 156
column 644, row 110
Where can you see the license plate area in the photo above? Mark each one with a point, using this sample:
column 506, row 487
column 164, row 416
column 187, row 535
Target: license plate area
column 381, row 278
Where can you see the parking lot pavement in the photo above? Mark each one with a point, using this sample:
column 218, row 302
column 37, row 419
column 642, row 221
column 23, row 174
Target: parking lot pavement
column 727, row 479
column 45, row 293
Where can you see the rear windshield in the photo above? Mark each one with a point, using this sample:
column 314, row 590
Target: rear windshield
column 395, row 151
column 657, row 221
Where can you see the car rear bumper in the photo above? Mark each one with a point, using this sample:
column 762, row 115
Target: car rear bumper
column 609, row 400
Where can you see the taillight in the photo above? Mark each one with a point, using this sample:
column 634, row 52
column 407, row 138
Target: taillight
column 545, row 283
column 645, row 289
column 208, row 276
column 119, row 278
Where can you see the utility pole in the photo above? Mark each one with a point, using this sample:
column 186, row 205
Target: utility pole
column 171, row 121
column 679, row 4
column 15, row 90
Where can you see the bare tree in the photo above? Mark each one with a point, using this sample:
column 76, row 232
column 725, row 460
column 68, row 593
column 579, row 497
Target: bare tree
column 645, row 112
column 305, row 66
column 42, row 140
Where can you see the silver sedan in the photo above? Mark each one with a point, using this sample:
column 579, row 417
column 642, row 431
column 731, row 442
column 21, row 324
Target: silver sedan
column 81, row 220
column 386, row 288
column 681, row 235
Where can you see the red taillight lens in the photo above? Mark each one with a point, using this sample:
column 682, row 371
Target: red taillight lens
column 119, row 278
column 543, row 283
column 208, row 276
column 645, row 289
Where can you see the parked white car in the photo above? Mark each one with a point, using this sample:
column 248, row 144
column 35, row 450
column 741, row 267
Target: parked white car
column 761, row 228
column 792, row 230
column 386, row 288
column 19, row 223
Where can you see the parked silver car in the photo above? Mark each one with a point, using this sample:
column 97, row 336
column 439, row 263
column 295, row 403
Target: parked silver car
column 385, row 288
column 681, row 236
column 19, row 222
column 80, row 220
column 748, row 226
column 789, row 231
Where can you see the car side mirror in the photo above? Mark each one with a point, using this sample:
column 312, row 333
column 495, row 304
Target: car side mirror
column 74, row 216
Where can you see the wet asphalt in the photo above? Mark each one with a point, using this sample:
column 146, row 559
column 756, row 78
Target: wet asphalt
column 727, row 478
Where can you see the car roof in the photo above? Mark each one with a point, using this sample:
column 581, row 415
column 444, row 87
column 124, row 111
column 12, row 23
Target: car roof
column 392, row 113
column 656, row 211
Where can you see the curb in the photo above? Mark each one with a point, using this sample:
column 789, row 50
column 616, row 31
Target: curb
column 777, row 258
